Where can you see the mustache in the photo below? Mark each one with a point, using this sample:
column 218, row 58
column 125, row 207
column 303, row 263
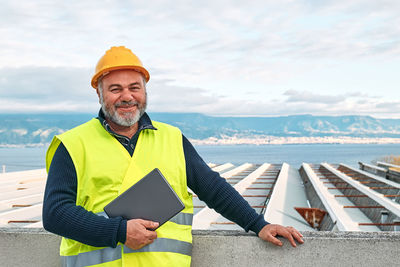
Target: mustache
column 127, row 104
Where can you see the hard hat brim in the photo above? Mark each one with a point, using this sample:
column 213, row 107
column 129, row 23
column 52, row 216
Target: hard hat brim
column 139, row 69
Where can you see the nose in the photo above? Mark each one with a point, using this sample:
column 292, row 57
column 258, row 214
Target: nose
column 126, row 95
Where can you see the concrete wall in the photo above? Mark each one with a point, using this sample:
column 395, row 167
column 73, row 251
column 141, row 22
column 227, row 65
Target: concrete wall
column 35, row 247
column 28, row 247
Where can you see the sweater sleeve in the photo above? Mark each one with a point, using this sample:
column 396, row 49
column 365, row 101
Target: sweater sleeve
column 217, row 193
column 62, row 216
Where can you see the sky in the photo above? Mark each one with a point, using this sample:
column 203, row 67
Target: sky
column 240, row 58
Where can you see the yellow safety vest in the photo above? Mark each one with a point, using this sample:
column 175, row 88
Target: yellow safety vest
column 105, row 169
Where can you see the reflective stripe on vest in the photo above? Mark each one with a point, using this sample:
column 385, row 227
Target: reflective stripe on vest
column 92, row 257
column 180, row 218
column 111, row 254
column 164, row 245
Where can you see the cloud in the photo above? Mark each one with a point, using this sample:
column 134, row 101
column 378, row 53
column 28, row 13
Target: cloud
column 49, row 49
column 60, row 106
column 264, row 29
column 389, row 105
column 45, row 83
column 60, row 89
column 166, row 97
column 309, row 97
column 40, row 89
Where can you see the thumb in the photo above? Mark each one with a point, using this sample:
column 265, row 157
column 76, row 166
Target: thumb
column 149, row 224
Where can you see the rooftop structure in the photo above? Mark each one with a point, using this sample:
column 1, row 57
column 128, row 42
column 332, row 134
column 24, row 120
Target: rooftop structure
column 317, row 197
column 383, row 169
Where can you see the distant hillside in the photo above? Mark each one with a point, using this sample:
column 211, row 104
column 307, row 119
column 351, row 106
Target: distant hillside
column 201, row 126
column 40, row 128
column 36, row 128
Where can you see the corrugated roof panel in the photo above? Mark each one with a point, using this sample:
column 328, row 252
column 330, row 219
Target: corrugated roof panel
column 288, row 193
column 345, row 220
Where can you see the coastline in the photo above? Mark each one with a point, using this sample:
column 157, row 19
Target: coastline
column 262, row 140
column 274, row 140
column 24, row 145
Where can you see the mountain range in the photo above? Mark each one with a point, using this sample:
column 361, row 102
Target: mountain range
column 18, row 129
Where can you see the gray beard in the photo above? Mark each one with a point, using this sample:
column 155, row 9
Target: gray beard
column 128, row 121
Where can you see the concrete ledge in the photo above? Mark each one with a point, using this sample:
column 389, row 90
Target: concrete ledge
column 28, row 247
column 36, row 247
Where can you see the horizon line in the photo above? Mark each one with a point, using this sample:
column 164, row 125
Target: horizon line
column 205, row 114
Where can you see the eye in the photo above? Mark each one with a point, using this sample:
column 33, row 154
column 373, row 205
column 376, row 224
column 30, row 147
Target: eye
column 114, row 90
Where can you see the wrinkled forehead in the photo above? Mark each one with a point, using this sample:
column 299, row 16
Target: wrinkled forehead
column 122, row 76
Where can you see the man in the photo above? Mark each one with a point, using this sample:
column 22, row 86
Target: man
column 92, row 164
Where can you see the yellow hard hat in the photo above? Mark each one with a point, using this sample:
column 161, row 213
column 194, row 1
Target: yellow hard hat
column 118, row 58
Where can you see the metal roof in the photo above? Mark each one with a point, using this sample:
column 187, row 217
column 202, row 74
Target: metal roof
column 21, row 197
column 329, row 197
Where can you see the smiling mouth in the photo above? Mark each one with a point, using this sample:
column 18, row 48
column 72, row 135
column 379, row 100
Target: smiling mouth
column 127, row 108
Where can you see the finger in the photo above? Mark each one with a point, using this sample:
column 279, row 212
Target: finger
column 288, row 235
column 145, row 243
column 151, row 235
column 291, row 240
column 270, row 238
column 298, row 237
column 299, row 233
column 149, row 224
column 296, row 234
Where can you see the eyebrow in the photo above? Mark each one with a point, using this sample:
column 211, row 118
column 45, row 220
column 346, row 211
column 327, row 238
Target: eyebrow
column 118, row 85
column 135, row 83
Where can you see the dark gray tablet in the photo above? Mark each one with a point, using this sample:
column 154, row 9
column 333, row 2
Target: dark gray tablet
column 152, row 198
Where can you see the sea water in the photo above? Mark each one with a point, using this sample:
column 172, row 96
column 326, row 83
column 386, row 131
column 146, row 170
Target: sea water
column 295, row 155
column 28, row 158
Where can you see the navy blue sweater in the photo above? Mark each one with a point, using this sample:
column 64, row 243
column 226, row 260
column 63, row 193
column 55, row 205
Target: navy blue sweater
column 62, row 216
